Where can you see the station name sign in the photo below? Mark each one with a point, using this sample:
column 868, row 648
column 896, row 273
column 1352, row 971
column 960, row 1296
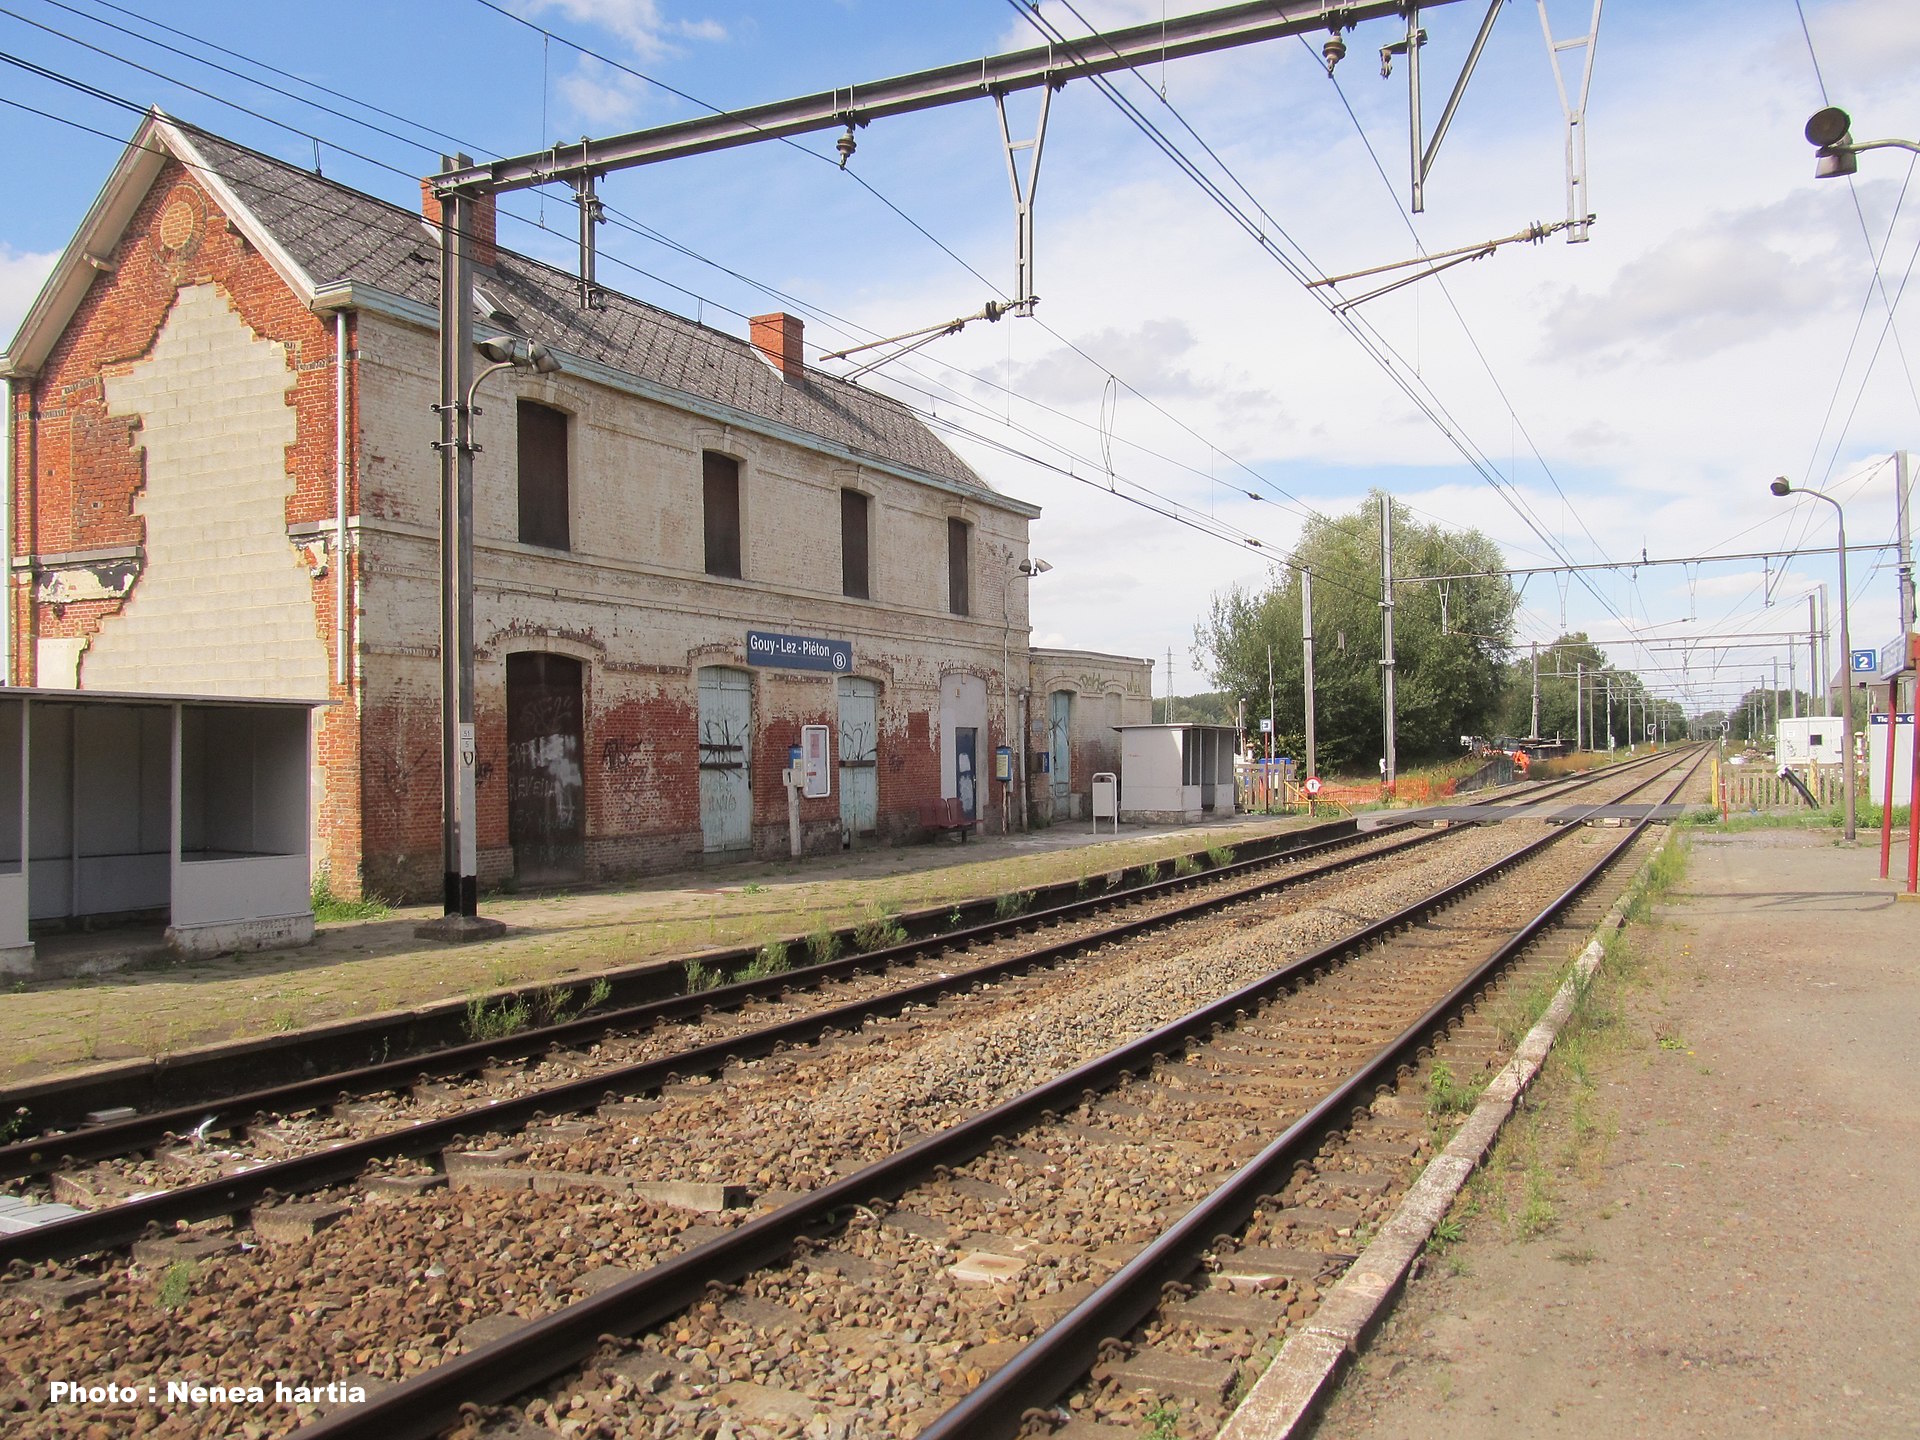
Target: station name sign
column 799, row 652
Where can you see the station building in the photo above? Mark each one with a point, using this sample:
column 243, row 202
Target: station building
column 687, row 545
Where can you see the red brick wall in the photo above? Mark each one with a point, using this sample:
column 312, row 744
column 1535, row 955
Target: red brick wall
column 78, row 470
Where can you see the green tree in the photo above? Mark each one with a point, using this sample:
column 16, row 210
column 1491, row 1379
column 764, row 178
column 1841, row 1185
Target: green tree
column 1450, row 640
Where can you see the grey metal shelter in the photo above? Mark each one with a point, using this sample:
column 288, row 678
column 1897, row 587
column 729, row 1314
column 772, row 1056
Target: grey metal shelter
column 1174, row 773
column 187, row 808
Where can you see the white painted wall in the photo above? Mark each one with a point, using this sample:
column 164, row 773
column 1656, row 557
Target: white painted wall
column 225, row 605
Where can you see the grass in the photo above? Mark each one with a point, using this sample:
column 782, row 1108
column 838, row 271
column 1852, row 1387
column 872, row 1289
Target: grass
column 1012, row 903
column 1163, row 1423
column 771, row 960
column 1447, row 1096
column 703, row 977
column 507, row 1016
column 1866, row 817
column 1219, row 855
column 878, row 932
column 1564, row 1133
column 557, row 1004
column 824, row 946
column 330, row 909
column 360, row 970
column 1185, row 865
column 176, row 1285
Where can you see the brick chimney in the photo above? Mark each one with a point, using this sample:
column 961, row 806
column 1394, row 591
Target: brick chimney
column 777, row 337
column 482, row 243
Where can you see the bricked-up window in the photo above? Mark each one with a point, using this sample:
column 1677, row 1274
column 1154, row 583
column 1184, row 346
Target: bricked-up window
column 543, row 477
column 723, row 515
column 853, row 545
column 959, row 533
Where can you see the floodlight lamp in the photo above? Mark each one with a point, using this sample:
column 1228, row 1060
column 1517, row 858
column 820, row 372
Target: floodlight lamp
column 543, row 360
column 1828, row 127
column 1034, row 567
column 500, row 349
column 1782, row 486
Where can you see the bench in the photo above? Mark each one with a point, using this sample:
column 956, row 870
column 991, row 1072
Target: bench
column 945, row 816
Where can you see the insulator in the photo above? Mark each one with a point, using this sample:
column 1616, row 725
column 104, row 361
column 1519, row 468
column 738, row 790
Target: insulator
column 1335, row 50
column 846, row 146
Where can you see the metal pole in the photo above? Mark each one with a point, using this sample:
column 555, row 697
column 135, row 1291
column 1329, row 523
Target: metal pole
column 1535, row 731
column 1793, row 678
column 1900, row 484
column 1846, row 651
column 1386, row 636
column 1306, row 652
column 1417, row 142
column 1826, row 655
column 459, row 837
column 1579, row 698
column 1776, row 699
column 1006, row 693
column 1609, row 712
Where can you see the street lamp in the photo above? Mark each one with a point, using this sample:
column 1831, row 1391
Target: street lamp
column 1016, row 771
column 1830, row 132
column 1783, row 486
column 459, row 823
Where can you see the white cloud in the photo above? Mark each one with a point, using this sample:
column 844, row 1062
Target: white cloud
column 639, row 23
column 600, row 95
column 22, row 273
column 1734, row 280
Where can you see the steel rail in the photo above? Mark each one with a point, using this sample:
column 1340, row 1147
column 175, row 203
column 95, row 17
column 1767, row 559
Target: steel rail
column 425, row 1403
column 123, row 1223
column 43, row 1154
column 127, row 1221
column 320, row 1082
column 1036, row 1378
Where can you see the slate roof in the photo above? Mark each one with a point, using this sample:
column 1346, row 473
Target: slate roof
column 338, row 234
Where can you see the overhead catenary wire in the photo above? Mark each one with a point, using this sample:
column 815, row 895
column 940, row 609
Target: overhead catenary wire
column 1133, row 493
column 1158, row 507
column 45, row 72
column 1302, row 269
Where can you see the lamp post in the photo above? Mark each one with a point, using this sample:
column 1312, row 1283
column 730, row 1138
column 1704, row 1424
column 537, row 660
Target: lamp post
column 460, row 920
column 1016, row 771
column 1783, row 486
column 1830, row 132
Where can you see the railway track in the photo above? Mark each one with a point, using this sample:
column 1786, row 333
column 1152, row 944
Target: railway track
column 200, row 1145
column 571, row 1172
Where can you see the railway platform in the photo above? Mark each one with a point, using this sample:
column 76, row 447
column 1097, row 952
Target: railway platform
column 130, row 1000
column 1715, row 1233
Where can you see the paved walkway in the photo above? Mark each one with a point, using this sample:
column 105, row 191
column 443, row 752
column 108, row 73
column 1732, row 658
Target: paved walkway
column 358, row 969
column 1711, row 1226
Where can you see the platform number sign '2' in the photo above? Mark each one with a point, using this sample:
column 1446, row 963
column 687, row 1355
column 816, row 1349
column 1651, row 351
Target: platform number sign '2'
column 1865, row 662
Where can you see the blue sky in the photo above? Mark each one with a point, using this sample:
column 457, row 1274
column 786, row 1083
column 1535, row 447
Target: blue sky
column 1635, row 392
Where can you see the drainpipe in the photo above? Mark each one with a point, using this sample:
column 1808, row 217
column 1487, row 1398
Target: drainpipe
column 340, row 497
column 6, row 545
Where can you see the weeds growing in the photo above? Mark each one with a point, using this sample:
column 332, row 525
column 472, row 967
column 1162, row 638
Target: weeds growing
column 508, row 1016
column 330, row 909
column 877, row 932
column 1186, row 865
column 823, row 946
column 176, row 1285
column 1219, row 855
column 1012, row 903
column 772, row 960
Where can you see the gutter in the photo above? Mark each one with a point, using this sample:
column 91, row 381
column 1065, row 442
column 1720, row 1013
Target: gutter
column 340, row 497
column 6, row 539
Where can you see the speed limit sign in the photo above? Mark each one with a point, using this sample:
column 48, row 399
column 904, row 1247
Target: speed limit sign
column 1312, row 787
